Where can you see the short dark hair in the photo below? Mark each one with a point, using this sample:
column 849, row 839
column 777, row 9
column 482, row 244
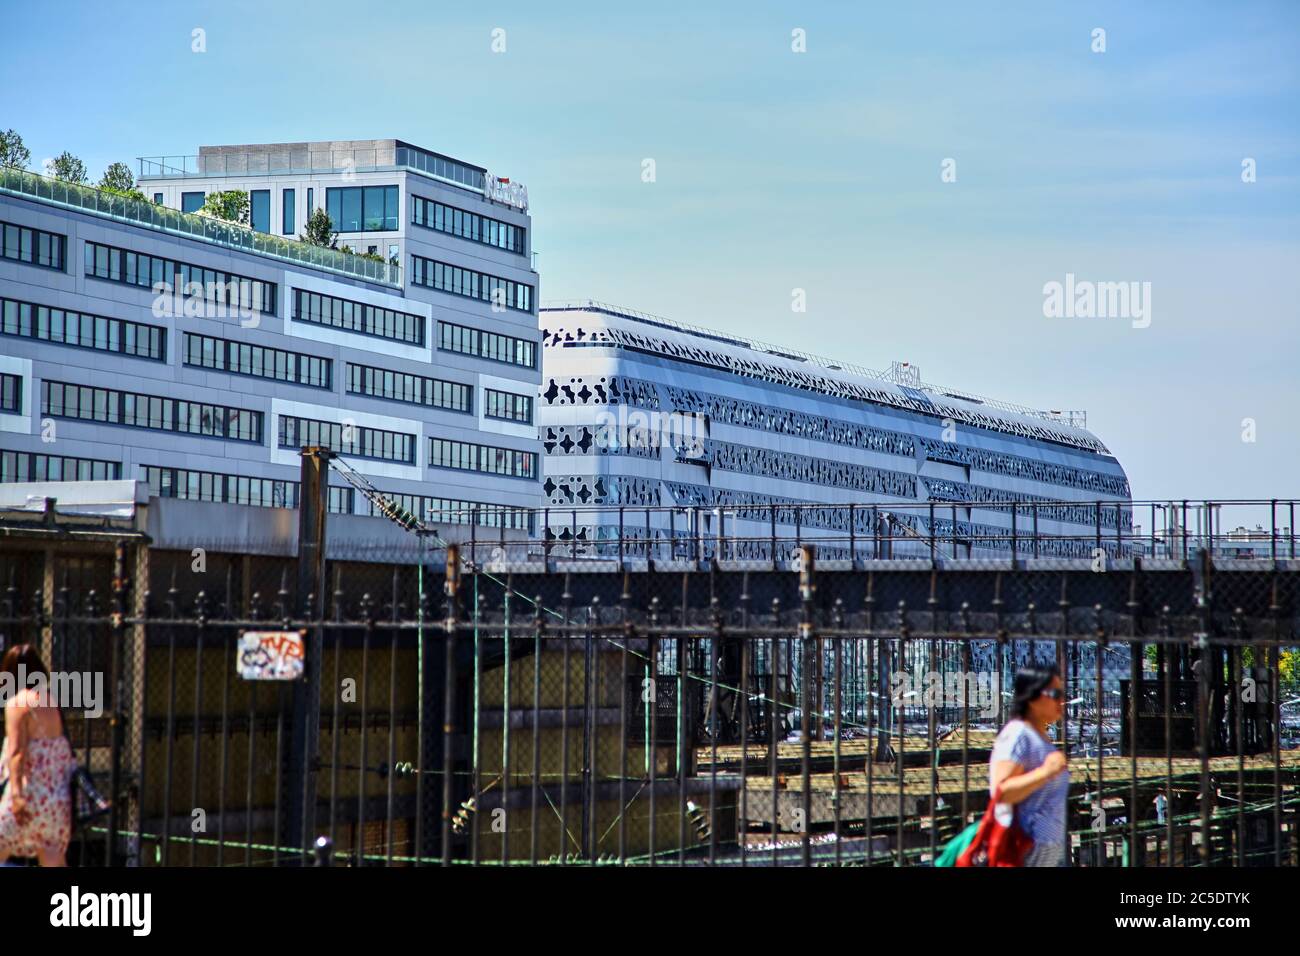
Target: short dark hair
column 1031, row 680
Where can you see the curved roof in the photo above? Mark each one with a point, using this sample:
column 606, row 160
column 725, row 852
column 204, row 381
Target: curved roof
column 623, row 328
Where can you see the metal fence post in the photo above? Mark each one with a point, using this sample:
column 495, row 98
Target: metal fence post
column 116, row 676
column 1272, row 533
column 853, row 538
column 1035, row 517
column 1015, row 545
column 932, row 540
column 452, row 591
column 695, row 533
column 313, row 510
column 807, row 591
column 1184, row 529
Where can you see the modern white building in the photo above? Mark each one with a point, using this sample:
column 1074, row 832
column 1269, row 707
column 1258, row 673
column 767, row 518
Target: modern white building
column 699, row 433
column 416, row 358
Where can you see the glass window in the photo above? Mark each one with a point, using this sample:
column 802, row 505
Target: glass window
column 374, row 208
column 58, row 325
column 390, row 207
column 356, row 317
column 107, row 262
column 11, row 393
column 362, row 208
column 334, row 206
column 32, row 245
column 149, row 411
column 191, row 202
column 260, row 210
column 351, row 219
column 288, row 215
column 474, row 285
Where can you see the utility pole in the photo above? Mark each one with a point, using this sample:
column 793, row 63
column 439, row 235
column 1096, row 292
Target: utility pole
column 313, row 507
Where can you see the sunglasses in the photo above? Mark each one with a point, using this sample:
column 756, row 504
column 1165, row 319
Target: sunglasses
column 1054, row 693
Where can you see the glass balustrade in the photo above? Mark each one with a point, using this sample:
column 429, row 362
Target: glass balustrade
column 21, row 182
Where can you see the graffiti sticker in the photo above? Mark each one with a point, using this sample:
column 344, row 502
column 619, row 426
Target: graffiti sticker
column 270, row 655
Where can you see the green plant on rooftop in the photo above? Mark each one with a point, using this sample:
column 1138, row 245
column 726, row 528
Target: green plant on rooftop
column 372, row 256
column 12, row 150
column 134, row 207
column 320, row 230
column 119, row 180
column 230, row 205
column 68, row 168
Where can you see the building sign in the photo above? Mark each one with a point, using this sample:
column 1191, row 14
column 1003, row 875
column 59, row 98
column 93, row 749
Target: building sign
column 503, row 190
column 270, row 655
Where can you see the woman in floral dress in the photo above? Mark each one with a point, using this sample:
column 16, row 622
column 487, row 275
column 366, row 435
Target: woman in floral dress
column 36, row 765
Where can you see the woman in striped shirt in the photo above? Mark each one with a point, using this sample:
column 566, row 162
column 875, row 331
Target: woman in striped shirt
column 1029, row 767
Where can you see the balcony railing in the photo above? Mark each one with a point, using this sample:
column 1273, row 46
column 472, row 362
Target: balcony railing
column 266, row 162
column 21, row 182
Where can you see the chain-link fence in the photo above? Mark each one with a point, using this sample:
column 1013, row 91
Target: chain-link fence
column 501, row 711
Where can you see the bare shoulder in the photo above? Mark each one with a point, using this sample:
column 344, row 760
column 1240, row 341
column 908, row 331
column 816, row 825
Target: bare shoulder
column 21, row 704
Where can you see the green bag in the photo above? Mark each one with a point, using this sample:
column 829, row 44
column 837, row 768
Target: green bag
column 957, row 846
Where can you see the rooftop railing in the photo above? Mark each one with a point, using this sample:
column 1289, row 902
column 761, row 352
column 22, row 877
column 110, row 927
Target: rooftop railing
column 1074, row 419
column 268, row 162
column 29, row 185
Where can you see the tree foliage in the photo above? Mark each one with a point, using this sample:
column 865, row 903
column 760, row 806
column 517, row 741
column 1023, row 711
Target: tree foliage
column 1288, row 665
column 68, row 168
column 119, row 178
column 230, row 205
column 12, row 150
column 320, row 230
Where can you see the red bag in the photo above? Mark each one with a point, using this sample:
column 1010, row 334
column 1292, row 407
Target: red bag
column 995, row 844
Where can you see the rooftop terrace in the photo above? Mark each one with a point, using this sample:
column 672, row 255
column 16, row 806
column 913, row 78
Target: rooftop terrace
column 28, row 185
column 328, row 156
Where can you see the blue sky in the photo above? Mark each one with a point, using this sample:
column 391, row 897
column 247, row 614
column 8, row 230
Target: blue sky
column 818, row 171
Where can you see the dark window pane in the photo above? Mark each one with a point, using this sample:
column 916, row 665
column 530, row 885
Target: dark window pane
column 333, row 206
column 390, row 207
column 351, row 215
column 374, row 210
column 260, row 209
